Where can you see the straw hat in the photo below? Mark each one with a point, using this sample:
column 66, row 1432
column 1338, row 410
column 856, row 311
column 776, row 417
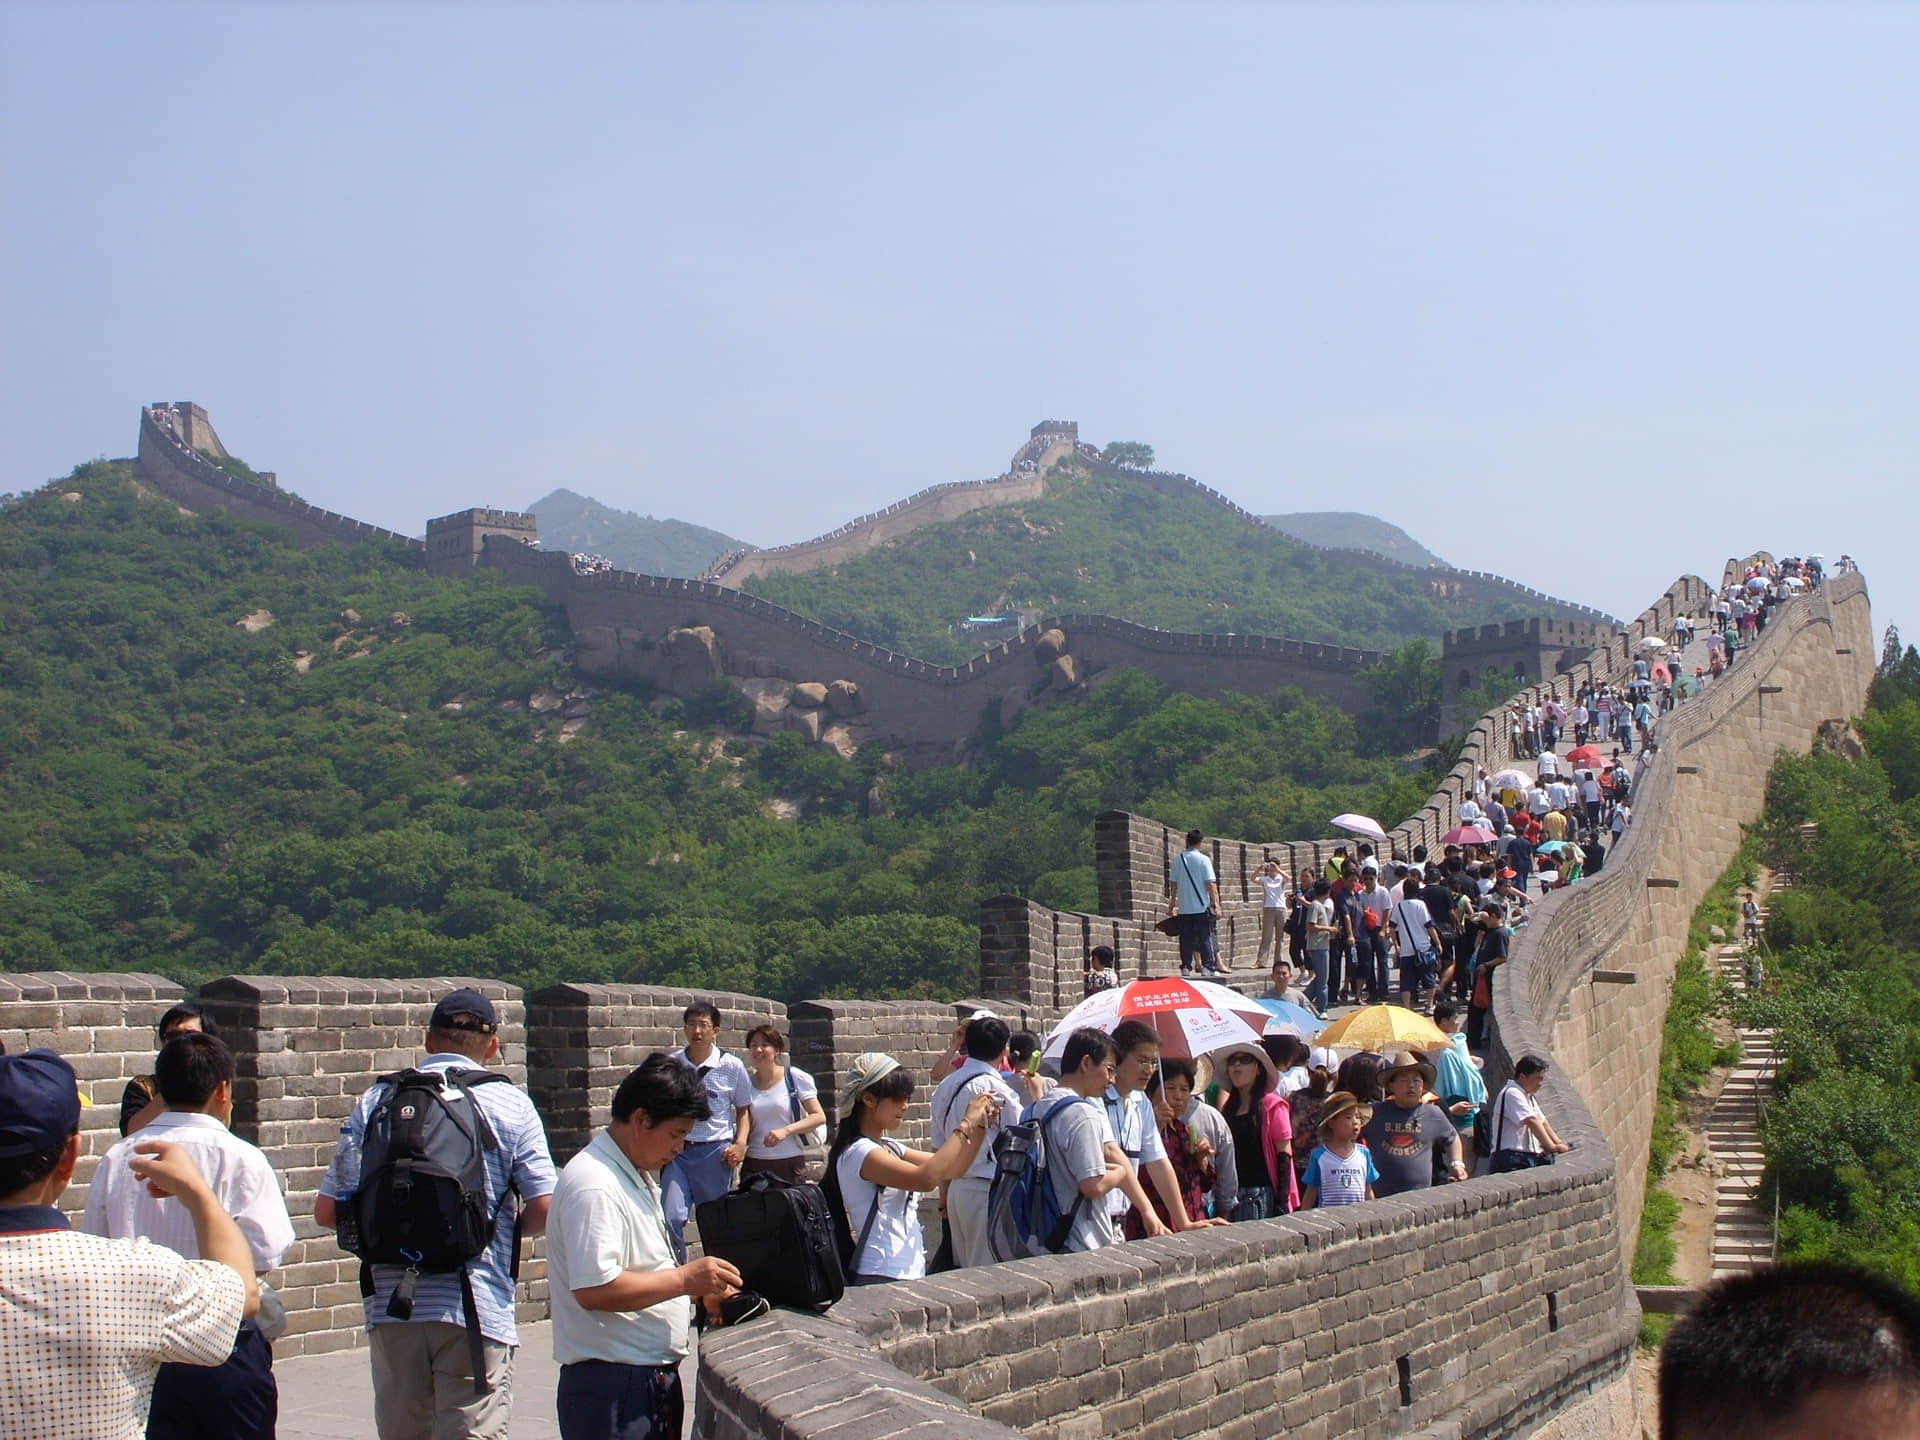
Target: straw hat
column 1340, row 1102
column 1400, row 1062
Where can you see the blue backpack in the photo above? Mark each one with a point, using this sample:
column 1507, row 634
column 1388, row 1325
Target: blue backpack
column 1023, row 1213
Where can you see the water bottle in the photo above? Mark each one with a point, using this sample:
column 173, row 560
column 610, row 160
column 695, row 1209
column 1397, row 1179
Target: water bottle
column 344, row 1174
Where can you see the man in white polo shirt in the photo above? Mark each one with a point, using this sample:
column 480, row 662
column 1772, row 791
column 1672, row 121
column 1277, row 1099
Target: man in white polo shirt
column 620, row 1299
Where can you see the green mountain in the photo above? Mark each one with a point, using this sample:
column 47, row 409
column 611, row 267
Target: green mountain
column 633, row 542
column 1109, row 544
column 1348, row 530
column 223, row 753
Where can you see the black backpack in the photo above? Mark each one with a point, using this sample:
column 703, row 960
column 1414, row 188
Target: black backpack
column 422, row 1201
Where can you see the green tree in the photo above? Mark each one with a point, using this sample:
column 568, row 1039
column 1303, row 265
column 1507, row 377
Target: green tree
column 1131, row 454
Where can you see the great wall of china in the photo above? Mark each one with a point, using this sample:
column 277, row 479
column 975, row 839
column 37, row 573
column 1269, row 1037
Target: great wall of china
column 681, row 635
column 1500, row 1306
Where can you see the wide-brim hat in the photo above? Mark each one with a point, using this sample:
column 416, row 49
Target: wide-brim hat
column 1340, row 1102
column 1265, row 1061
column 864, row 1071
column 1399, row 1062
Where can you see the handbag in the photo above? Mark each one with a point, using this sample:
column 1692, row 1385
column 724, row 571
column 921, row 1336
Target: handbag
column 812, row 1138
column 1168, row 925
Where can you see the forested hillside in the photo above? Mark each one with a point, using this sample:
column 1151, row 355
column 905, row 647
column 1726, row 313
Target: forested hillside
column 419, row 787
column 1844, row 992
column 1112, row 546
column 1349, row 530
column 633, row 542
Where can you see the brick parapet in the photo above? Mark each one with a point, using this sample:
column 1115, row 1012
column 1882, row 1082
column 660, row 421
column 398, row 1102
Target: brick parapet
column 168, row 466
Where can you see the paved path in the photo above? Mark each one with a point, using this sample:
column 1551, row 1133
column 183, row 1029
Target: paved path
column 1742, row 1233
column 330, row 1397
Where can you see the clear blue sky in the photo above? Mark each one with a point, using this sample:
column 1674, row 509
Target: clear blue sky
column 1588, row 295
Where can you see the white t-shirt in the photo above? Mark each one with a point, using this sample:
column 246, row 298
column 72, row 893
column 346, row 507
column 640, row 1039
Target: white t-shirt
column 1410, row 921
column 607, row 1218
column 895, row 1246
column 1470, row 813
column 773, row 1108
column 951, row 1098
column 1549, row 766
column 1515, row 1108
column 1273, row 891
column 1340, row 1182
column 1136, row 1133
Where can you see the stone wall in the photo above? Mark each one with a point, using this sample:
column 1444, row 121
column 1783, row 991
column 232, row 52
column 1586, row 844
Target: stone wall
column 168, row 467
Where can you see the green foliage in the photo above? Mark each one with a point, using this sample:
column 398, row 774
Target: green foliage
column 181, row 796
column 1103, row 544
column 1130, row 453
column 1406, row 697
column 1843, row 1158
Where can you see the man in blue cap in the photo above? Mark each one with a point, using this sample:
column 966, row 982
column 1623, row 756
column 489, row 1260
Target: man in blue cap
column 86, row 1322
column 425, row 1382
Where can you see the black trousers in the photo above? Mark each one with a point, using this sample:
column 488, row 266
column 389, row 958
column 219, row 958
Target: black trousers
column 600, row 1400
column 235, row 1400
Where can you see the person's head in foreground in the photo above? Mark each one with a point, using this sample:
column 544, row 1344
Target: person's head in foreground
column 1793, row 1352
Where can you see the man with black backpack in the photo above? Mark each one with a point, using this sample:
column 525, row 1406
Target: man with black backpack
column 422, row 1188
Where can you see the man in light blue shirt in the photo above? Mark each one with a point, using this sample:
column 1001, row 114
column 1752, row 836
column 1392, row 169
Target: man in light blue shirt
column 621, row 1298
column 423, row 1385
column 717, row 1144
column 1193, row 899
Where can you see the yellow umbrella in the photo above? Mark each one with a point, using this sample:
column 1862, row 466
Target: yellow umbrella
column 1381, row 1028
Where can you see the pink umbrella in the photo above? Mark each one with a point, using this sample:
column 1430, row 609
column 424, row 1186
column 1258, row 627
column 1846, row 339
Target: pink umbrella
column 1468, row 835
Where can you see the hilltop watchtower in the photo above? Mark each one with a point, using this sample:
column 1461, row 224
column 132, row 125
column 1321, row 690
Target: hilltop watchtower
column 454, row 542
column 1520, row 652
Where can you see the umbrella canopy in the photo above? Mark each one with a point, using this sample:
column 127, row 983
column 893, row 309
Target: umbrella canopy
column 1192, row 1017
column 1291, row 1019
column 1382, row 1028
column 1551, row 847
column 1359, row 825
column 1468, row 835
column 1583, row 755
column 1653, row 642
column 1510, row 780
column 1662, row 674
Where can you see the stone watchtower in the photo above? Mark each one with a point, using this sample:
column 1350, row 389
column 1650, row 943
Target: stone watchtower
column 455, row 542
column 1521, row 652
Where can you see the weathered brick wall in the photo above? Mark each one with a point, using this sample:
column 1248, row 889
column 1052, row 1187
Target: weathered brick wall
column 104, row 1025
column 305, row 1048
column 583, row 1040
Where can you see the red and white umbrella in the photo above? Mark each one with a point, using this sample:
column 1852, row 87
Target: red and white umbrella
column 1193, row 1017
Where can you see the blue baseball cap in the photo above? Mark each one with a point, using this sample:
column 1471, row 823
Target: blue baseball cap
column 39, row 1103
column 465, row 1005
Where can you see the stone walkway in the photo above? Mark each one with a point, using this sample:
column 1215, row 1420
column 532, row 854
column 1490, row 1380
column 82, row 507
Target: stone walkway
column 1742, row 1232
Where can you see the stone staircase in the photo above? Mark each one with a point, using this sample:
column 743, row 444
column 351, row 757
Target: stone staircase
column 1742, row 1232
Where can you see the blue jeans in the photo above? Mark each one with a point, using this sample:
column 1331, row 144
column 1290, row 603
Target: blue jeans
column 1197, row 940
column 600, row 1400
column 1317, row 979
column 698, row 1173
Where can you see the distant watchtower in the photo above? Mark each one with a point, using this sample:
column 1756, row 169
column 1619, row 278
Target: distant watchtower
column 454, row 542
column 1521, row 652
column 1067, row 430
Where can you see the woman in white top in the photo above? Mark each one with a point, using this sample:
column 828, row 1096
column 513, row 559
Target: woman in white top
column 786, row 1106
column 874, row 1183
column 1522, row 1135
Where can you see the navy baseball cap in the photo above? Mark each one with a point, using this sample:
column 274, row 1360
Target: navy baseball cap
column 39, row 1103
column 468, row 1006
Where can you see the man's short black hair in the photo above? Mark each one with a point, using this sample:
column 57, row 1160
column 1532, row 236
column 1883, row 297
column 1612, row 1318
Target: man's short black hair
column 1087, row 1043
column 1101, row 955
column 987, row 1038
column 186, row 1010
column 20, row 1171
column 702, row 1007
column 1194, row 837
column 1130, row 1035
column 1757, row 1346
column 190, row 1068
column 664, row 1088
column 1444, row 1010
column 1530, row 1065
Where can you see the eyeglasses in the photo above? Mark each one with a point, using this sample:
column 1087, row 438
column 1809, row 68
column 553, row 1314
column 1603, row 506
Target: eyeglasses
column 1241, row 1060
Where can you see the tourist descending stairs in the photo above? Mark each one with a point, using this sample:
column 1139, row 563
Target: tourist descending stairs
column 1743, row 1236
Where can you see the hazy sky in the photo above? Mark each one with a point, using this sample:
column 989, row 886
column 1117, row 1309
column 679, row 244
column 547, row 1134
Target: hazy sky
column 1586, row 295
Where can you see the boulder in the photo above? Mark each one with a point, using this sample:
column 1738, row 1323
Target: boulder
column 769, row 712
column 254, row 620
column 349, row 617
column 844, row 698
column 302, row 661
column 1051, row 644
column 809, row 695
column 1716, row 932
column 399, row 620
column 694, row 654
column 1063, row 674
column 806, row 722
column 839, row 739
column 545, row 702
